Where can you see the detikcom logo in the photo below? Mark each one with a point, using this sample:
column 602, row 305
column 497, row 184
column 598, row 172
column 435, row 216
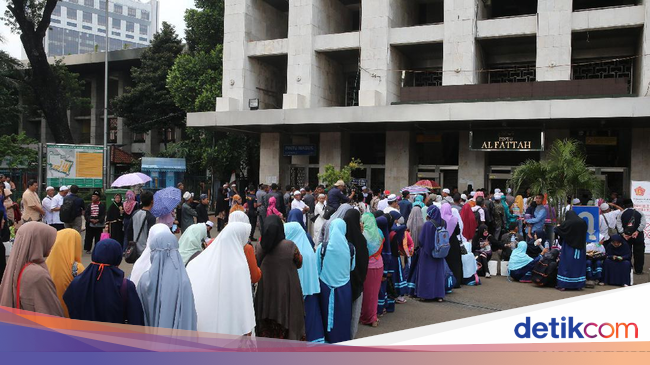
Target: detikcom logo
column 569, row 329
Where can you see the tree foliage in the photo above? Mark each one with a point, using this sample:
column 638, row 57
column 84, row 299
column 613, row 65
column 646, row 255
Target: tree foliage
column 14, row 150
column 204, row 26
column 195, row 80
column 9, row 92
column 332, row 175
column 149, row 104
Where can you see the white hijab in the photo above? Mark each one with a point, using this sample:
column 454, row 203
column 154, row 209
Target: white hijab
column 221, row 283
column 238, row 216
column 143, row 263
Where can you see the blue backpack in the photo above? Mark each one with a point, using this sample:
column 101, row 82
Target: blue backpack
column 441, row 249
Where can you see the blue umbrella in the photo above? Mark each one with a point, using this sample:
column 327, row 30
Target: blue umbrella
column 165, row 201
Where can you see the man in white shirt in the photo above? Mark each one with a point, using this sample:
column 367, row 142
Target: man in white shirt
column 52, row 205
column 383, row 204
column 297, row 203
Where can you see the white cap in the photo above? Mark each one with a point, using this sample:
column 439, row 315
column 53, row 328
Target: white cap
column 498, row 196
column 209, row 224
column 392, row 198
column 497, row 191
column 297, row 192
column 187, row 195
column 364, row 188
column 463, row 197
column 447, row 191
column 575, row 201
column 604, row 207
column 64, row 188
column 472, row 194
column 49, row 188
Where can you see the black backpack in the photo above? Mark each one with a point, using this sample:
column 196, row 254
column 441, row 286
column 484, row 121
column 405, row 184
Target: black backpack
column 67, row 210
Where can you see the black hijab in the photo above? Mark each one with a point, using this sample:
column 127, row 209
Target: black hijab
column 622, row 250
column 352, row 219
column 273, row 234
column 113, row 213
column 479, row 234
column 573, row 231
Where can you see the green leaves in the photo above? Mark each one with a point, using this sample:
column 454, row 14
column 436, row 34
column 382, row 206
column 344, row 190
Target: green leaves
column 195, row 80
column 331, row 175
column 204, row 26
column 14, row 152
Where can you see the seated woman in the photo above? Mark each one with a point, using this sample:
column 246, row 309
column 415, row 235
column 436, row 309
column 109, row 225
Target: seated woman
column 470, row 277
column 617, row 266
column 535, row 245
column 595, row 257
column 521, row 265
column 482, row 248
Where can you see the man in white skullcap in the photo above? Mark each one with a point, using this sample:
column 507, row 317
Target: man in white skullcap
column 52, row 209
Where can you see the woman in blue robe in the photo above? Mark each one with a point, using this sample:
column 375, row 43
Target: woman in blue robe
column 295, row 215
column 521, row 265
column 430, row 280
column 101, row 293
column 385, row 304
column 335, row 261
column 572, row 270
column 308, row 275
column 617, row 266
column 400, row 273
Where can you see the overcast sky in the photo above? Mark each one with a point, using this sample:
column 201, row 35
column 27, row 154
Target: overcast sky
column 171, row 11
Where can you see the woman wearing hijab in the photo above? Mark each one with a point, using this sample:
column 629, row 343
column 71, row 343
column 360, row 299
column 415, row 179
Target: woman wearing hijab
column 375, row 240
column 319, row 211
column 143, row 263
column 115, row 217
column 521, row 265
column 617, row 265
column 272, row 210
column 470, row 278
column 64, row 262
column 469, row 221
column 340, row 213
column 335, row 259
column 191, row 242
column 26, row 283
column 249, row 250
column 221, row 284
column 308, row 275
column 165, row 289
column 355, row 236
column 279, row 305
column 415, row 223
column 102, row 293
column 237, row 204
column 430, row 278
column 295, row 215
column 482, row 248
column 536, row 244
column 130, row 206
column 399, row 272
column 386, row 304
column 453, row 259
column 572, row 269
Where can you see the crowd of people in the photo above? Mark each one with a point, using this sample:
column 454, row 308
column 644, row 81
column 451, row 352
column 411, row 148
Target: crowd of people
column 325, row 262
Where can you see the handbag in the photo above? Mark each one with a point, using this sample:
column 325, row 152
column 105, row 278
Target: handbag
column 327, row 213
column 131, row 254
column 463, row 250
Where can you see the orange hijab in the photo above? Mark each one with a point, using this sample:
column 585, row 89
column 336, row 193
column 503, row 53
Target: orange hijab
column 65, row 252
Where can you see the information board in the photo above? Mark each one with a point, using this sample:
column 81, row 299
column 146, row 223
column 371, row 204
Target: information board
column 79, row 165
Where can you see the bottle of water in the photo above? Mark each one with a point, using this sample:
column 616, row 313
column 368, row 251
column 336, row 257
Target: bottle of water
column 547, row 245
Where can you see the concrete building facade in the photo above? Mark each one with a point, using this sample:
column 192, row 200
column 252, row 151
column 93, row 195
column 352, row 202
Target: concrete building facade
column 436, row 88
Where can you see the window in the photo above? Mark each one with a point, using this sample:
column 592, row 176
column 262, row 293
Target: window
column 167, row 134
column 139, row 137
column 129, row 36
column 131, row 12
column 101, row 30
column 71, row 42
column 72, row 13
column 74, row 1
column 143, row 39
column 57, row 10
column 117, row 34
column 117, row 23
column 144, row 30
column 102, row 5
column 55, row 21
column 130, row 27
column 90, row 3
column 101, row 20
column 112, row 135
column 87, row 27
column 87, row 17
column 145, row 15
column 117, row 9
column 71, row 24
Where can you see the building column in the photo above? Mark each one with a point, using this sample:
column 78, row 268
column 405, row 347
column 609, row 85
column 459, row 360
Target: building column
column 274, row 167
column 400, row 170
column 643, row 87
column 334, row 150
column 471, row 165
column 554, row 40
column 375, row 53
column 640, row 160
column 236, row 66
column 460, row 59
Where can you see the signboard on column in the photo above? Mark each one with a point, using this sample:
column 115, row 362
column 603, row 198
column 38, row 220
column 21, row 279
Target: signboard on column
column 75, row 165
column 641, row 199
column 590, row 215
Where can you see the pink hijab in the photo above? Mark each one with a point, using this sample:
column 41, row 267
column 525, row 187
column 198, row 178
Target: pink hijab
column 448, row 216
column 129, row 204
column 271, row 210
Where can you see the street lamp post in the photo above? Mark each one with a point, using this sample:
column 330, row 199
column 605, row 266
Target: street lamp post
column 106, row 155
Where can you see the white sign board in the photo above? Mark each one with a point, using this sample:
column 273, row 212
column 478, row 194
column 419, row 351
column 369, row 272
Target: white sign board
column 641, row 199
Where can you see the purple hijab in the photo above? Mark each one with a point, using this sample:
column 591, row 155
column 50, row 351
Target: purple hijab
column 448, row 216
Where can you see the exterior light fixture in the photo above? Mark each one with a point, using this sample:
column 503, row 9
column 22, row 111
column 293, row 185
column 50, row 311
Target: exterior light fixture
column 253, row 104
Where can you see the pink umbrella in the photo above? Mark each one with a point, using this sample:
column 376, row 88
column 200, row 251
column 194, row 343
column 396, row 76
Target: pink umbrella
column 136, row 178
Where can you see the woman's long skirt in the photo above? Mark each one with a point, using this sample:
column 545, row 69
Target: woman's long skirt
column 572, row 270
column 430, row 281
column 524, row 274
column 399, row 281
column 454, row 260
column 616, row 272
column 313, row 319
column 336, row 312
column 594, row 269
column 117, row 231
column 386, row 303
column 369, row 307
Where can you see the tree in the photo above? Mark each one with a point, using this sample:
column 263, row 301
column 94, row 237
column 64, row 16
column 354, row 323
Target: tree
column 331, row 175
column 561, row 175
column 9, row 95
column 14, row 150
column 204, row 25
column 31, row 18
column 195, row 80
column 149, row 104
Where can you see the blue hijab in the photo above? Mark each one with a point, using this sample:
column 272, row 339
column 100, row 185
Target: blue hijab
column 519, row 258
column 433, row 213
column 308, row 273
column 419, row 201
column 165, row 290
column 337, row 265
column 427, row 237
column 382, row 224
column 295, row 215
column 95, row 295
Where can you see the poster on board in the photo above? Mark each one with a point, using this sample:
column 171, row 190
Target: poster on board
column 75, row 165
column 641, row 199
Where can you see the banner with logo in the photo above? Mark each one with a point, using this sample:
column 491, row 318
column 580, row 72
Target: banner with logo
column 75, row 165
column 641, row 199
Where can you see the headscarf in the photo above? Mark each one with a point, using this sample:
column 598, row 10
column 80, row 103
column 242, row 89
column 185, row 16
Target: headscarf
column 190, row 242
column 238, row 216
column 448, row 216
column 382, row 225
column 469, row 221
column 129, row 203
column 433, row 213
column 519, row 202
column 371, row 232
column 541, row 235
column 340, row 213
column 308, row 273
column 236, row 207
column 221, row 284
column 509, row 217
column 622, row 250
column 33, row 243
column 335, row 270
column 272, row 235
column 295, row 215
column 144, row 261
column 573, row 231
column 354, row 235
column 165, row 289
column 469, row 261
column 65, row 253
column 96, row 295
column 272, row 210
column 519, row 258
column 113, row 211
column 418, row 202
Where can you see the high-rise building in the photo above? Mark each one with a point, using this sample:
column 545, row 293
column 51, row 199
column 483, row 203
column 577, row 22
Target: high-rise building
column 79, row 26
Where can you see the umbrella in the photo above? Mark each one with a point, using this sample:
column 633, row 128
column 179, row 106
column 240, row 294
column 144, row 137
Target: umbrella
column 136, row 178
column 416, row 189
column 428, row 184
column 165, row 201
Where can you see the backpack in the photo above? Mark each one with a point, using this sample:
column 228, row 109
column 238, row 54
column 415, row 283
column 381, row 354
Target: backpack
column 631, row 225
column 441, row 249
column 67, row 210
column 544, row 272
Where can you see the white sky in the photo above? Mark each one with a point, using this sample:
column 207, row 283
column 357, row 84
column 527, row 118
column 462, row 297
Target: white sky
column 171, row 11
